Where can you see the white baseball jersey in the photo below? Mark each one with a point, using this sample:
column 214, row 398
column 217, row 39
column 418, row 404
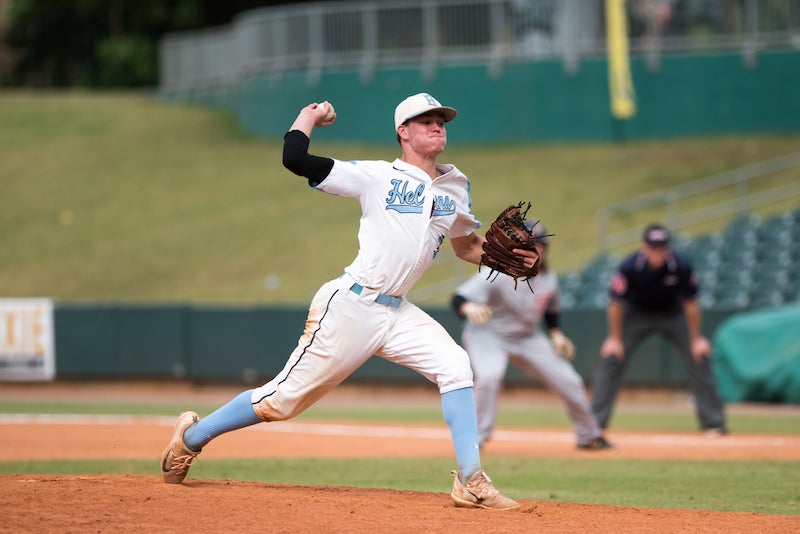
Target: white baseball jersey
column 405, row 217
column 513, row 334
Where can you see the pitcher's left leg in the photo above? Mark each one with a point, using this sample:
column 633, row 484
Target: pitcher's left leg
column 420, row 343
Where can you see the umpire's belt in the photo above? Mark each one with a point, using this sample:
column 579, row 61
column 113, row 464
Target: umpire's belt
column 386, row 300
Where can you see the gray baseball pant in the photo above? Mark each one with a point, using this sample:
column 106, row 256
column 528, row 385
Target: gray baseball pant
column 490, row 354
column 637, row 326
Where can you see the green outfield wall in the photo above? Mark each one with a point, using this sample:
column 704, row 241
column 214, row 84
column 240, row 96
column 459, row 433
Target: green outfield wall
column 250, row 345
column 687, row 95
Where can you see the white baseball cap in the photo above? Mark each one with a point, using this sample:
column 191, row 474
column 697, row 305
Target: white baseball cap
column 417, row 105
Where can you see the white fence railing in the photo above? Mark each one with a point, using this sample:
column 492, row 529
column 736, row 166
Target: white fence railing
column 368, row 34
column 721, row 196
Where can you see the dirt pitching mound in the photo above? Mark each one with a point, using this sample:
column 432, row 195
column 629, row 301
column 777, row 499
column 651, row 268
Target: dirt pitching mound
column 46, row 503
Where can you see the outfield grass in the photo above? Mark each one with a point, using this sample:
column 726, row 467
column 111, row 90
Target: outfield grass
column 120, row 197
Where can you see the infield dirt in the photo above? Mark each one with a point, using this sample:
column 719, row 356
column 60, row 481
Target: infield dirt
column 50, row 503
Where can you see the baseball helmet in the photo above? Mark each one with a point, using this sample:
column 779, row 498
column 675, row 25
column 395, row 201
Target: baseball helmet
column 539, row 231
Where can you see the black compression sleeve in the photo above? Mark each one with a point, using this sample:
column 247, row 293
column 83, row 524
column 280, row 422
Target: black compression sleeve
column 551, row 320
column 297, row 159
column 456, row 303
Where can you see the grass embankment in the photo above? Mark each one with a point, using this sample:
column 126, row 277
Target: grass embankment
column 119, row 197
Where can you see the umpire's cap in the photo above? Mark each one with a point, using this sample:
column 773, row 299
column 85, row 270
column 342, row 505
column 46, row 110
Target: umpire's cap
column 656, row 235
column 539, row 231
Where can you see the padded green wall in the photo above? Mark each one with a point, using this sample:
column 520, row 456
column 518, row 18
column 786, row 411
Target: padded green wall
column 689, row 95
column 251, row 344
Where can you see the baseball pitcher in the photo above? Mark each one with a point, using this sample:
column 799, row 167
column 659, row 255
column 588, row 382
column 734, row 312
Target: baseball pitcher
column 409, row 206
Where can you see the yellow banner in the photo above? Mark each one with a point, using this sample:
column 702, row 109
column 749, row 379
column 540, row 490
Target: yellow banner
column 620, row 85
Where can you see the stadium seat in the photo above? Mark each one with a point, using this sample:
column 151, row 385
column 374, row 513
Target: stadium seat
column 776, row 223
column 709, row 287
column 599, row 278
column 732, row 300
column 569, row 282
column 569, row 285
column 774, row 253
column 592, row 297
column 767, row 289
column 791, row 292
column 704, row 252
column 683, row 243
column 733, row 277
column 567, row 301
column 707, row 300
column 708, row 242
column 708, row 263
column 767, row 299
column 741, row 259
column 595, row 278
column 742, row 224
column 776, row 237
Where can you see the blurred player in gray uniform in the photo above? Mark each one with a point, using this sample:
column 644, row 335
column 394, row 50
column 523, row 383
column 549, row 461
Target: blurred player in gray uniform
column 503, row 325
column 409, row 206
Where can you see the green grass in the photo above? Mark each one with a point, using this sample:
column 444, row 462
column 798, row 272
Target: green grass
column 120, row 197
column 544, row 416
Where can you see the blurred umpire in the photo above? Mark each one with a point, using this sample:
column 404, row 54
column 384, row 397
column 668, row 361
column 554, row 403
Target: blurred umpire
column 654, row 291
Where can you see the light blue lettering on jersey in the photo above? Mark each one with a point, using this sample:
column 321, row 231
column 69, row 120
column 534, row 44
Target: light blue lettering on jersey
column 404, row 201
column 442, row 205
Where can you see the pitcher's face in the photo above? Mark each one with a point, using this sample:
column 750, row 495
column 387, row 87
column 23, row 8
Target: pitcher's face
column 426, row 133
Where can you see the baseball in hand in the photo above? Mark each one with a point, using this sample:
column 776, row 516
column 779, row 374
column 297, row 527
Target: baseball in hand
column 331, row 111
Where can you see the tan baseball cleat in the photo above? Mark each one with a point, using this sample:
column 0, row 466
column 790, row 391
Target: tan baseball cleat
column 478, row 492
column 177, row 457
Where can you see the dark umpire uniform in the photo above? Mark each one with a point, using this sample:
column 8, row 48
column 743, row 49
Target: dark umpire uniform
column 654, row 291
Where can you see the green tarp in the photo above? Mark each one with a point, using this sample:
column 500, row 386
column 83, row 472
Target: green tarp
column 757, row 356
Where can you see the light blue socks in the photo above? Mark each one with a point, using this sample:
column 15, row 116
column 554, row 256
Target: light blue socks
column 238, row 413
column 458, row 408
column 459, row 412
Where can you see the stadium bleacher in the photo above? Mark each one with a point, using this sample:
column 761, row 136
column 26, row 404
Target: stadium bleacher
column 752, row 263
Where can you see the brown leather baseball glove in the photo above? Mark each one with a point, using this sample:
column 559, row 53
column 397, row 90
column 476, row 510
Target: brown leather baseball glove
column 508, row 232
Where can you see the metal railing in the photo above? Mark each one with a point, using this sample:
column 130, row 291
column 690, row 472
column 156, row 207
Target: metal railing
column 721, row 196
column 366, row 35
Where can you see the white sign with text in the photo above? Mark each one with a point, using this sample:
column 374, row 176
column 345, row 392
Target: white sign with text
column 27, row 339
